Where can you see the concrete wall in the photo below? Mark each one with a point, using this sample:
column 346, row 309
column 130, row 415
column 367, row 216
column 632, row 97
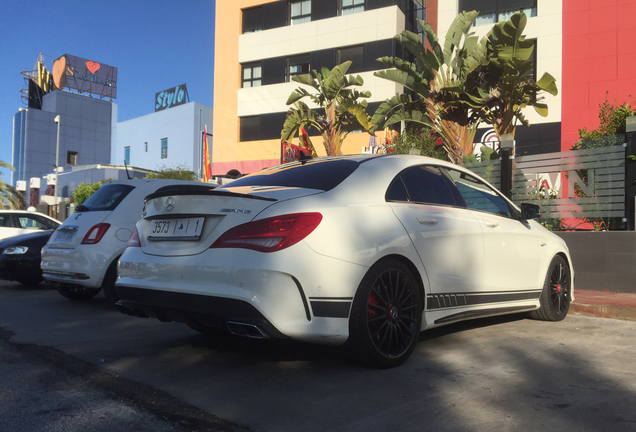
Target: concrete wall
column 603, row 261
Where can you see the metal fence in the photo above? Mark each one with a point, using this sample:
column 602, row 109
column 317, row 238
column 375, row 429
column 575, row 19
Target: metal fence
column 575, row 184
column 586, row 183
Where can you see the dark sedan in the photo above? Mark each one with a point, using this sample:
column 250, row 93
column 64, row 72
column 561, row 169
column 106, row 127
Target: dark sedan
column 20, row 257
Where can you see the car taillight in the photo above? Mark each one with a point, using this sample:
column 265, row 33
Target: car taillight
column 271, row 234
column 95, row 234
column 133, row 241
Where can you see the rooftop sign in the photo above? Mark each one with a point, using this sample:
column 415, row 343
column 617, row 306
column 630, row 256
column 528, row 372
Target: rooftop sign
column 85, row 75
column 171, row 97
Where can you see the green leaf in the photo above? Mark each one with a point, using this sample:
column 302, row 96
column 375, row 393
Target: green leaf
column 548, row 84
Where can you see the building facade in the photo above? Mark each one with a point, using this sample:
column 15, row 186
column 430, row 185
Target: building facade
column 586, row 45
column 169, row 138
column 85, row 127
column 260, row 44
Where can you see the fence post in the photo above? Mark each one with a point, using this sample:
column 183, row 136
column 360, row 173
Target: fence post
column 506, row 149
column 630, row 172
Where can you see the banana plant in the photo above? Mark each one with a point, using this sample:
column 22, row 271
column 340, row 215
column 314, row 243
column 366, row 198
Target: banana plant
column 508, row 82
column 344, row 107
column 443, row 82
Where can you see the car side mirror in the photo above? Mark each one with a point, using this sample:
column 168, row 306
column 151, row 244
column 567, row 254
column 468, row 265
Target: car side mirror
column 530, row 211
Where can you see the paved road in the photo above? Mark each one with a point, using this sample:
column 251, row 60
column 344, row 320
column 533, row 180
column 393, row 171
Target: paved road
column 504, row 374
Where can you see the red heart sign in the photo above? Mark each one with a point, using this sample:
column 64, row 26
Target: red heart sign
column 92, row 66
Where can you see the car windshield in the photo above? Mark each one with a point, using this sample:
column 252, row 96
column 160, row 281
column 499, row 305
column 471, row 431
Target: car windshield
column 323, row 175
column 107, row 198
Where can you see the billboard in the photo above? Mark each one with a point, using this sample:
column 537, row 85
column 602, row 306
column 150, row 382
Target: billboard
column 85, row 76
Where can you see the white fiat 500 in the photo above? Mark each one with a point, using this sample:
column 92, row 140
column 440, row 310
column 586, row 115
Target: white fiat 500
column 363, row 250
column 80, row 258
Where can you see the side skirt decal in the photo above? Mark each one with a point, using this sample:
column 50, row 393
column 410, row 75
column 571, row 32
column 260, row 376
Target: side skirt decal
column 480, row 313
column 441, row 301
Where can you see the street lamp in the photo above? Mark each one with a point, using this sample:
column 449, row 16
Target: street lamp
column 57, row 158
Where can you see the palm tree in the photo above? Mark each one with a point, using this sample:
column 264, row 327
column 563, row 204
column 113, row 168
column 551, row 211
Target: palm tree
column 343, row 111
column 8, row 195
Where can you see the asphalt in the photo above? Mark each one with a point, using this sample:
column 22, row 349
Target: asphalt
column 604, row 304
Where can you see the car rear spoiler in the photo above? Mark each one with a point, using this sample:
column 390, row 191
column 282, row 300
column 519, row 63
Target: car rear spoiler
column 199, row 190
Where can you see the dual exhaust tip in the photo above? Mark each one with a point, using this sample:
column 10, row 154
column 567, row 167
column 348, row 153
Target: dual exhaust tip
column 246, row 330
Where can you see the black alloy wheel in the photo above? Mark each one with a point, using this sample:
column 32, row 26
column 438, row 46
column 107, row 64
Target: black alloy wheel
column 386, row 317
column 556, row 294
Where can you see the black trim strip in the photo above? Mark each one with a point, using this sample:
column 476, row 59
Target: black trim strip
column 331, row 298
column 481, row 314
column 441, row 301
column 331, row 309
column 302, row 296
column 198, row 190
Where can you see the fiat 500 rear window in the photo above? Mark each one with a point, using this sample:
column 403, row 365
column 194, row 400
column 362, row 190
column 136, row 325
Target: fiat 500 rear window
column 107, row 198
column 321, row 175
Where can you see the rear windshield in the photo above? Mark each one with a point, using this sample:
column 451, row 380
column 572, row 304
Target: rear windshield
column 107, row 198
column 322, row 175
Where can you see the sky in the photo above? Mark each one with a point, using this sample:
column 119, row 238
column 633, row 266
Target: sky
column 154, row 44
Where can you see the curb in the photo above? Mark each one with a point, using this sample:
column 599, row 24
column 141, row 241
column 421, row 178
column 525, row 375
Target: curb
column 604, row 311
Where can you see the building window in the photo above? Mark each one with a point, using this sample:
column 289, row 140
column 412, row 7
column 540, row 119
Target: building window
column 351, row 6
column 297, row 65
column 126, row 155
column 250, row 128
column 252, row 20
column 299, row 12
column 71, row 157
column 355, row 54
column 164, row 148
column 494, row 11
column 251, row 75
column 146, row 147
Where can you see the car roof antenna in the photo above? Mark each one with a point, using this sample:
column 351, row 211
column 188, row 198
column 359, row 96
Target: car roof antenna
column 126, row 166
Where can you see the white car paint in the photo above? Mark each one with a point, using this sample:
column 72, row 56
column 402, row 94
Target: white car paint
column 62, row 261
column 469, row 263
column 16, row 222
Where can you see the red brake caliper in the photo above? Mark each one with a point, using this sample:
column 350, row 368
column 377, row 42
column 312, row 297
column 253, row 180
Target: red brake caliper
column 371, row 311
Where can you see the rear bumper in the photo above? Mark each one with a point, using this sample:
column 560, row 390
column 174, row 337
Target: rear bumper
column 293, row 293
column 194, row 309
column 83, row 265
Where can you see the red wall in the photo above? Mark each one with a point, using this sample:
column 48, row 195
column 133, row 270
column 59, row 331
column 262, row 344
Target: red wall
column 599, row 59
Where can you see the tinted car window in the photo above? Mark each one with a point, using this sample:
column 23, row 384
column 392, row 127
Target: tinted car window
column 478, row 195
column 424, row 184
column 107, row 198
column 5, row 220
column 322, row 175
column 397, row 191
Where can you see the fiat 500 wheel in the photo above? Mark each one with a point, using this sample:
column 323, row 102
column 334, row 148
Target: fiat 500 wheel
column 386, row 317
column 556, row 294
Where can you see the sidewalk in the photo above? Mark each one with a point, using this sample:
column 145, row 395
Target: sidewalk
column 605, row 304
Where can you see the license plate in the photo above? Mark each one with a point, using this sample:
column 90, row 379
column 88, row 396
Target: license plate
column 63, row 236
column 176, row 229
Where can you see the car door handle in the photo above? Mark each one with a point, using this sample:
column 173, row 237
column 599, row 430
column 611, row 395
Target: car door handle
column 426, row 220
column 492, row 224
